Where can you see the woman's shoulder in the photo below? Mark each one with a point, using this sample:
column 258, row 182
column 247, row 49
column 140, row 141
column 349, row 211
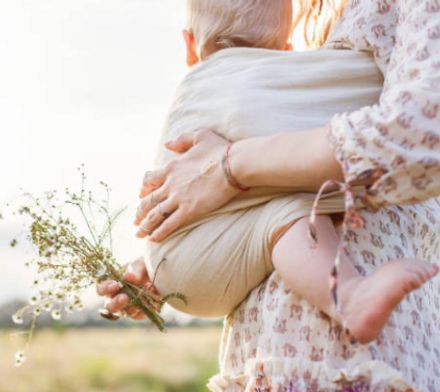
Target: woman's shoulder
column 367, row 25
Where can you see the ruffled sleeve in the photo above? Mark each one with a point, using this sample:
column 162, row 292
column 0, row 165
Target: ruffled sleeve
column 396, row 143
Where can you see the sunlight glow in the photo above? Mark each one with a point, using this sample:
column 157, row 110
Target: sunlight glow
column 83, row 82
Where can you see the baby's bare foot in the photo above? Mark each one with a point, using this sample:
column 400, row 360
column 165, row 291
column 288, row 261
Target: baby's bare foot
column 367, row 302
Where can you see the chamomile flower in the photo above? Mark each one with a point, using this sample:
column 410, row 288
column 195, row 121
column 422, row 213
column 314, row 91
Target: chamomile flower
column 56, row 315
column 20, row 357
column 17, row 318
column 69, row 262
column 59, row 295
column 34, row 300
column 69, row 308
column 78, row 304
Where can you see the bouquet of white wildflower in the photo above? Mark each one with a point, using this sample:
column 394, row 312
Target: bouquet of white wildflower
column 69, row 261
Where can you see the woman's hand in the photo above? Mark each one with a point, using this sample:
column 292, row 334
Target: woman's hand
column 136, row 274
column 187, row 188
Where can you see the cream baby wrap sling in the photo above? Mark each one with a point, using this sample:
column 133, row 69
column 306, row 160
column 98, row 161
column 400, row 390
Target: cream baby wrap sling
column 241, row 93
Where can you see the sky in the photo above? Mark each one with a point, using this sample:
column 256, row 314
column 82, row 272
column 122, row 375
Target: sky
column 83, row 81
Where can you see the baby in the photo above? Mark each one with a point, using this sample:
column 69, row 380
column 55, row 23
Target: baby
column 245, row 82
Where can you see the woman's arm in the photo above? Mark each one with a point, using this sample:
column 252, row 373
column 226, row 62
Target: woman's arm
column 195, row 184
column 303, row 159
column 400, row 136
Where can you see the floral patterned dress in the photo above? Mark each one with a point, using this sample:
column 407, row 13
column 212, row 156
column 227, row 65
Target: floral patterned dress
column 276, row 341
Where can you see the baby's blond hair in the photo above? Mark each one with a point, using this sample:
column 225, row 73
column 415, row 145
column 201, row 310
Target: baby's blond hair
column 220, row 24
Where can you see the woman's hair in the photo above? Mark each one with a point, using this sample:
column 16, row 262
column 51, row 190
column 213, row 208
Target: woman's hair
column 219, row 24
column 318, row 18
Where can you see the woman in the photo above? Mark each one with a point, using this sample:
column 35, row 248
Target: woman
column 274, row 340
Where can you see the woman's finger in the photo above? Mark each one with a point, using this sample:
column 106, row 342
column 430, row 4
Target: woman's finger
column 148, row 203
column 182, row 144
column 137, row 273
column 118, row 303
column 156, row 217
column 108, row 288
column 134, row 313
column 188, row 140
column 153, row 291
column 169, row 226
column 152, row 180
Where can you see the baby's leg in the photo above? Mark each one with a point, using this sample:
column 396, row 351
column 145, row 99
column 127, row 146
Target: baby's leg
column 306, row 269
column 366, row 302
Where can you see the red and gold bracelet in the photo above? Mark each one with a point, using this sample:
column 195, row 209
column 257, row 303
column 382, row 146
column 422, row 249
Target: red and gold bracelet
column 228, row 172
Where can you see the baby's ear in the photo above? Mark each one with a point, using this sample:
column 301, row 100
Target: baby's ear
column 289, row 47
column 191, row 52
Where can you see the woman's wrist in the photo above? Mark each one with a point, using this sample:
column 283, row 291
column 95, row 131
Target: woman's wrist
column 242, row 161
column 227, row 171
column 302, row 160
column 256, row 162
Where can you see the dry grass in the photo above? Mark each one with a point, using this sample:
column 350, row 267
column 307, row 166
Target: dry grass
column 117, row 360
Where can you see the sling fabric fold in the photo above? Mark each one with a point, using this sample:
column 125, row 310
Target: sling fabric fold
column 241, row 93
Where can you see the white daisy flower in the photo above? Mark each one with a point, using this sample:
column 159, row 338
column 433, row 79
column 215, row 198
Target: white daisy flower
column 17, row 318
column 47, row 295
column 34, row 300
column 19, row 358
column 56, row 315
column 47, row 306
column 37, row 311
column 70, row 308
column 60, row 295
column 78, row 304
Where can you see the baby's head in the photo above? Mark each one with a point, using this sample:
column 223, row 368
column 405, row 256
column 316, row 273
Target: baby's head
column 219, row 24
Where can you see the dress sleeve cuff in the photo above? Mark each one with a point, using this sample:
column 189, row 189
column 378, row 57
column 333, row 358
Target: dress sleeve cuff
column 357, row 166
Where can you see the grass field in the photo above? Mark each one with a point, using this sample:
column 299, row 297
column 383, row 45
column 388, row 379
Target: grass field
column 117, row 360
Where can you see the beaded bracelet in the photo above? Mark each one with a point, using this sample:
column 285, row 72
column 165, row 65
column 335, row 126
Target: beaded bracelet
column 228, row 172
